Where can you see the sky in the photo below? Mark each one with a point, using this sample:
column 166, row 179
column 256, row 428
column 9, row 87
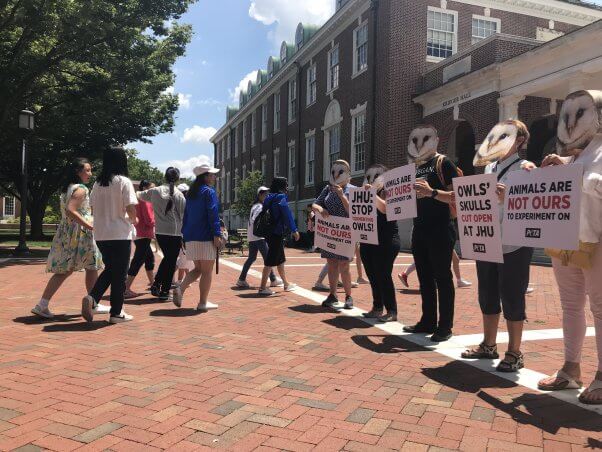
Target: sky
column 232, row 39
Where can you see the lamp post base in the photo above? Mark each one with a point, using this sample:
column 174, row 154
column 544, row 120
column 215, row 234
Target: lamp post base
column 21, row 250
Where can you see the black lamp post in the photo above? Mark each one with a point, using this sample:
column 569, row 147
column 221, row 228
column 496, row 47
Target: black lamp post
column 26, row 124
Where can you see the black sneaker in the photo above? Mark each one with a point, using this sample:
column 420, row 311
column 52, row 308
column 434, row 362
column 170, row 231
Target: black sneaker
column 155, row 292
column 441, row 336
column 164, row 296
column 330, row 301
column 418, row 328
column 348, row 302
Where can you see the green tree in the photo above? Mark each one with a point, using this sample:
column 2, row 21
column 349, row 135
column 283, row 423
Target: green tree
column 142, row 169
column 247, row 192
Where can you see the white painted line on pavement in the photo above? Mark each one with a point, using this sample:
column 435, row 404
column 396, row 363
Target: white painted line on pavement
column 322, row 265
column 452, row 348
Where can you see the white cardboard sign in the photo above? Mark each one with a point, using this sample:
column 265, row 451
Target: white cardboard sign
column 479, row 218
column 333, row 234
column 542, row 207
column 401, row 194
column 362, row 206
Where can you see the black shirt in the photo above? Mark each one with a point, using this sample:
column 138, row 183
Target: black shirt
column 388, row 231
column 433, row 213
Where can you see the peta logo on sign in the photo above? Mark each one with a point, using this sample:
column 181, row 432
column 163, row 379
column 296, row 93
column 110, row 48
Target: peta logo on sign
column 479, row 248
column 332, row 246
column 364, row 237
column 533, row 233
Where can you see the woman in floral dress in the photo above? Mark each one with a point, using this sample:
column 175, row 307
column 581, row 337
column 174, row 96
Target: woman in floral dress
column 73, row 247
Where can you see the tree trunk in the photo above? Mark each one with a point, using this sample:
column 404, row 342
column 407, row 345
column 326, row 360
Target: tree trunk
column 36, row 210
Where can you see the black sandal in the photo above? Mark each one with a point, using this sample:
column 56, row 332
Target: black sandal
column 482, row 351
column 512, row 362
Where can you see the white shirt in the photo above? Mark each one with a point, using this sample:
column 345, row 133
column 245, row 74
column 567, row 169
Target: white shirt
column 255, row 210
column 108, row 204
column 590, row 227
column 513, row 163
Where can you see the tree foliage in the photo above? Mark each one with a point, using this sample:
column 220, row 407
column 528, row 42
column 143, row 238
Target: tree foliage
column 247, row 192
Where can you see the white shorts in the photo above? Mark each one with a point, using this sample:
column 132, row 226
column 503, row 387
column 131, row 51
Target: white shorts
column 201, row 251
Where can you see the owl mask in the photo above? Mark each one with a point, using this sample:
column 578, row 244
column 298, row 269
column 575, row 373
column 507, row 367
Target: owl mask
column 340, row 174
column 374, row 176
column 422, row 144
column 579, row 120
column 498, row 143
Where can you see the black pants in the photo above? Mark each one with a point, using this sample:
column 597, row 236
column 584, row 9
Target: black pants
column 170, row 247
column 143, row 254
column 378, row 262
column 432, row 250
column 116, row 256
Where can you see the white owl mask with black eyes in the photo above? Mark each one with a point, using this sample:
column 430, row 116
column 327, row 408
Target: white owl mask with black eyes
column 497, row 144
column 339, row 174
column 374, row 177
column 579, row 120
column 422, row 144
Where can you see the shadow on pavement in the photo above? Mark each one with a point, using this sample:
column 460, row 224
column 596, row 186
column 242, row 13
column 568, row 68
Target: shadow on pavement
column 75, row 327
column 256, row 295
column 465, row 378
column 347, row 323
column 143, row 301
column 310, row 309
column 386, row 344
column 175, row 312
column 410, row 291
column 35, row 320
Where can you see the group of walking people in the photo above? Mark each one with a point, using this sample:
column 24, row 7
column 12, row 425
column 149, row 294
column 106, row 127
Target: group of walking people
column 192, row 223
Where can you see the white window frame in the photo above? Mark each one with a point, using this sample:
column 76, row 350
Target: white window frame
column 310, row 157
column 358, row 71
column 329, row 82
column 327, row 154
column 244, row 171
column 236, row 180
column 312, row 85
column 253, row 128
column 277, row 103
column 495, row 20
column 434, row 59
column 276, row 162
column 228, row 185
column 264, row 161
column 236, row 140
column 244, row 135
column 264, row 122
column 253, row 165
column 6, row 212
column 292, row 100
column 299, row 37
column 360, row 110
column 291, row 164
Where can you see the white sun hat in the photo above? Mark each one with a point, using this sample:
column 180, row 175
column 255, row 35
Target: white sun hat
column 204, row 168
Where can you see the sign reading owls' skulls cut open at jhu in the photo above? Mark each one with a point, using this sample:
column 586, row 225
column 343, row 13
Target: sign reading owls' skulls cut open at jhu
column 334, row 234
column 400, row 192
column 362, row 208
column 542, row 207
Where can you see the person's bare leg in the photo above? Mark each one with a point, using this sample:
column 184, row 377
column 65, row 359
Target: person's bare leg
column 91, row 277
column 333, row 276
column 54, row 283
column 128, row 282
column 205, row 281
column 456, row 265
column 192, row 276
column 282, row 274
column 358, row 264
column 490, row 327
column 345, row 272
column 150, row 276
column 515, row 335
column 265, row 274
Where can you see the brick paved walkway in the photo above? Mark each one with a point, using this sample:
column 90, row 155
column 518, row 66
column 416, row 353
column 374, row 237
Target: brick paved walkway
column 268, row 374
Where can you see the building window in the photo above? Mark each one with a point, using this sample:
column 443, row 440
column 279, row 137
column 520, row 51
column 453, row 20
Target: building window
column 360, row 44
column 228, row 185
column 442, row 34
column 310, row 159
column 333, row 148
column 264, row 122
column 333, row 69
column 276, row 112
column 253, row 165
column 264, row 165
column 244, row 135
column 291, row 165
column 9, row 206
column 236, row 181
column 312, row 85
column 236, row 141
column 276, row 162
column 292, row 100
column 283, row 53
column 299, row 37
column 358, row 148
column 244, row 171
column 483, row 27
column 253, row 128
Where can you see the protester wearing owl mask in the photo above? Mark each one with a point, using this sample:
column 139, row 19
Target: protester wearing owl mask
column 503, row 286
column 334, row 200
column 379, row 259
column 434, row 235
column 578, row 272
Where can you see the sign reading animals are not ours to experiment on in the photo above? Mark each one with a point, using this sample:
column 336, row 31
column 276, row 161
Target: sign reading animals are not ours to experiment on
column 362, row 208
column 479, row 218
column 400, row 191
column 542, row 207
column 333, row 234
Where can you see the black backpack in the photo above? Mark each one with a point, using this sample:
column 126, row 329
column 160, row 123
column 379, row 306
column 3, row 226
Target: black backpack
column 263, row 226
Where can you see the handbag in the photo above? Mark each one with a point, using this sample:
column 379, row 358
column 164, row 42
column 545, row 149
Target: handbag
column 582, row 258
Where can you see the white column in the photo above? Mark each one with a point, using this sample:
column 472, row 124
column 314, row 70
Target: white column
column 509, row 106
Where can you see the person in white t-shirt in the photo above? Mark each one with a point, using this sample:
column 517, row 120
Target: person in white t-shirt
column 113, row 201
column 256, row 244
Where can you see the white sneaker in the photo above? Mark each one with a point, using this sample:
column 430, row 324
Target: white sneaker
column 206, row 307
column 102, row 309
column 88, row 308
column 242, row 284
column 42, row 312
column 530, row 290
column 320, row 286
column 291, row 287
column 362, row 281
column 176, row 296
column 121, row 318
column 277, row 283
column 266, row 292
column 463, row 283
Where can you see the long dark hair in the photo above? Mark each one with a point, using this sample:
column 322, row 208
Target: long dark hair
column 72, row 177
column 172, row 175
column 200, row 180
column 114, row 163
column 143, row 185
column 279, row 185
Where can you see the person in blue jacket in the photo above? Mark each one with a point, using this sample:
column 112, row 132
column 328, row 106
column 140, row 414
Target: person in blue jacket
column 202, row 235
column 282, row 217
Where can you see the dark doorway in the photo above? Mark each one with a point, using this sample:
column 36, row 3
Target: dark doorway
column 462, row 147
column 543, row 138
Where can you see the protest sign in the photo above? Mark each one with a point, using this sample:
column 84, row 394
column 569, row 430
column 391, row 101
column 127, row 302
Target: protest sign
column 542, row 207
column 333, row 234
column 362, row 206
column 479, row 218
column 401, row 194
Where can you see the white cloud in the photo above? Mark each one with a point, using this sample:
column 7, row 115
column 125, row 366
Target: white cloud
column 286, row 15
column 242, row 86
column 186, row 166
column 198, row 135
column 183, row 99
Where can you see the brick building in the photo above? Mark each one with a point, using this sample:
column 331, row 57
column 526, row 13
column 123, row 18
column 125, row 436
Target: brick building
column 355, row 87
